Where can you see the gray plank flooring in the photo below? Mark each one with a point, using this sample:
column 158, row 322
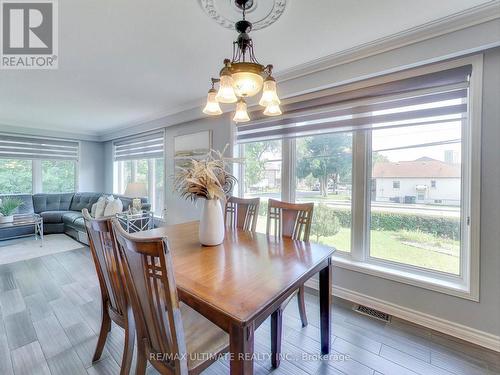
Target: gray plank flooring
column 50, row 318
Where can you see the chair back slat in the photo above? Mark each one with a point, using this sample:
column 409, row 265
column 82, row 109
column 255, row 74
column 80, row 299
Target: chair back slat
column 242, row 213
column 289, row 219
column 105, row 255
column 152, row 290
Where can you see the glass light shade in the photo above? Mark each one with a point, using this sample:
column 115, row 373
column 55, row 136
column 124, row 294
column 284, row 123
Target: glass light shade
column 241, row 114
column 272, row 110
column 226, row 91
column 247, row 83
column 212, row 108
column 269, row 95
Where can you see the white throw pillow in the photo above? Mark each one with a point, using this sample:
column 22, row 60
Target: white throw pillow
column 113, row 207
column 93, row 209
column 100, row 206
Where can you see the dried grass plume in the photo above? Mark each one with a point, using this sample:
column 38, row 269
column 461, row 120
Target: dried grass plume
column 207, row 178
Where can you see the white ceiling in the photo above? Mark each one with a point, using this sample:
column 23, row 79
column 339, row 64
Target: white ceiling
column 123, row 62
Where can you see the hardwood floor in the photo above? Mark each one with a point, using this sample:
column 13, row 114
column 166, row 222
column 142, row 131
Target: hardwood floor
column 50, row 316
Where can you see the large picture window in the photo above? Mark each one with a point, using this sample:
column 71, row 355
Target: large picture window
column 393, row 169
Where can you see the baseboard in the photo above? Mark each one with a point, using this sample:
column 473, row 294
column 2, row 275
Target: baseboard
column 460, row 331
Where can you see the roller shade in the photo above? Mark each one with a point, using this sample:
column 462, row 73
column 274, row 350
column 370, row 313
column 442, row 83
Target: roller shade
column 13, row 147
column 148, row 146
column 426, row 99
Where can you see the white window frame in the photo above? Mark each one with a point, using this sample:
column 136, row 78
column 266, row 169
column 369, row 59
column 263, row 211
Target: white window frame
column 466, row 284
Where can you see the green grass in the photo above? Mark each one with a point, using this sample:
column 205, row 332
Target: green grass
column 388, row 245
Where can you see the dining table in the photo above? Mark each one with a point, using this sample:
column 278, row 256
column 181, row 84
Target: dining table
column 241, row 282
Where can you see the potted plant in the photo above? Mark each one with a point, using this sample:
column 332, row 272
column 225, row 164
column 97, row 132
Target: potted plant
column 208, row 180
column 7, row 208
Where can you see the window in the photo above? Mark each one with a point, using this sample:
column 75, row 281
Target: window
column 262, row 175
column 37, row 165
column 16, row 176
column 140, row 159
column 404, row 176
column 324, row 176
column 58, row 176
column 415, row 232
column 149, row 172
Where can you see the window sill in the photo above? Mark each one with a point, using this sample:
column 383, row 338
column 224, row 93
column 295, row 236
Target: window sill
column 457, row 287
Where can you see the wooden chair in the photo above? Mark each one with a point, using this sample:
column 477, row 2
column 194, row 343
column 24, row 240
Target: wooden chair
column 114, row 301
column 288, row 220
column 173, row 337
column 242, row 213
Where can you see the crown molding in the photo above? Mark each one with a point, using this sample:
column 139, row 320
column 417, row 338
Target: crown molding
column 458, row 21
column 44, row 132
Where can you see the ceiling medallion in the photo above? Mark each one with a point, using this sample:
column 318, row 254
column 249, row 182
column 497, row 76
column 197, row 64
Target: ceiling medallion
column 261, row 13
column 243, row 76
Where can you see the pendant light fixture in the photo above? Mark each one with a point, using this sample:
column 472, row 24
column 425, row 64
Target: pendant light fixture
column 243, row 76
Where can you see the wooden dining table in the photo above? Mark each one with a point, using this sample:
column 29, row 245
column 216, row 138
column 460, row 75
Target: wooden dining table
column 237, row 285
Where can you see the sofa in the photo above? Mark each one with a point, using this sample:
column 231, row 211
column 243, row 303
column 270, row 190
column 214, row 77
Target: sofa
column 61, row 213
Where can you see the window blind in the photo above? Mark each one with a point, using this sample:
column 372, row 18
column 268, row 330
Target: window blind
column 425, row 99
column 147, row 146
column 14, row 147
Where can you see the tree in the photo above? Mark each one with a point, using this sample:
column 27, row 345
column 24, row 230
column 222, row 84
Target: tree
column 327, row 158
column 325, row 222
column 254, row 161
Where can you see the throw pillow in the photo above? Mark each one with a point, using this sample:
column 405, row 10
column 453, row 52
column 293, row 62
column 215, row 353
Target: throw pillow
column 100, row 206
column 93, row 209
column 113, row 207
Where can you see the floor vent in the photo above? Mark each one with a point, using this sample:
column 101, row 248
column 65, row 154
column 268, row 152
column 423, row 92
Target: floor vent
column 372, row 312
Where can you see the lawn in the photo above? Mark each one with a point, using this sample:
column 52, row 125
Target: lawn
column 408, row 247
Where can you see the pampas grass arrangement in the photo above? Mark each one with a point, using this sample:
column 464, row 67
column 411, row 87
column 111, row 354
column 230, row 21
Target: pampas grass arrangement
column 207, row 178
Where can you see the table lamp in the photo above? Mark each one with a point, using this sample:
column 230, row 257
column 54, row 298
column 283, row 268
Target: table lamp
column 136, row 190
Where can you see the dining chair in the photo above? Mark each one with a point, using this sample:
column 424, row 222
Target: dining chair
column 173, row 337
column 242, row 213
column 113, row 297
column 288, row 220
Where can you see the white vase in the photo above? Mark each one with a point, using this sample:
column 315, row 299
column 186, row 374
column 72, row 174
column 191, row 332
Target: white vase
column 6, row 219
column 211, row 223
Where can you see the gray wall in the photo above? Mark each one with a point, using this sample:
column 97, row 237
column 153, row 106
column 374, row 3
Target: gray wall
column 179, row 210
column 91, row 167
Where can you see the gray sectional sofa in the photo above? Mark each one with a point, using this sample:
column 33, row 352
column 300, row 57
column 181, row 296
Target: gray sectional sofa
column 62, row 213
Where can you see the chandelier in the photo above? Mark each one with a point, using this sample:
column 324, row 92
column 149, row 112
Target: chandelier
column 243, row 77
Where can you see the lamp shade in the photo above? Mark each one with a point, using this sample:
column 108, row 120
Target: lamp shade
column 272, row 110
column 241, row 114
column 136, row 190
column 226, row 90
column 212, row 108
column 269, row 95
